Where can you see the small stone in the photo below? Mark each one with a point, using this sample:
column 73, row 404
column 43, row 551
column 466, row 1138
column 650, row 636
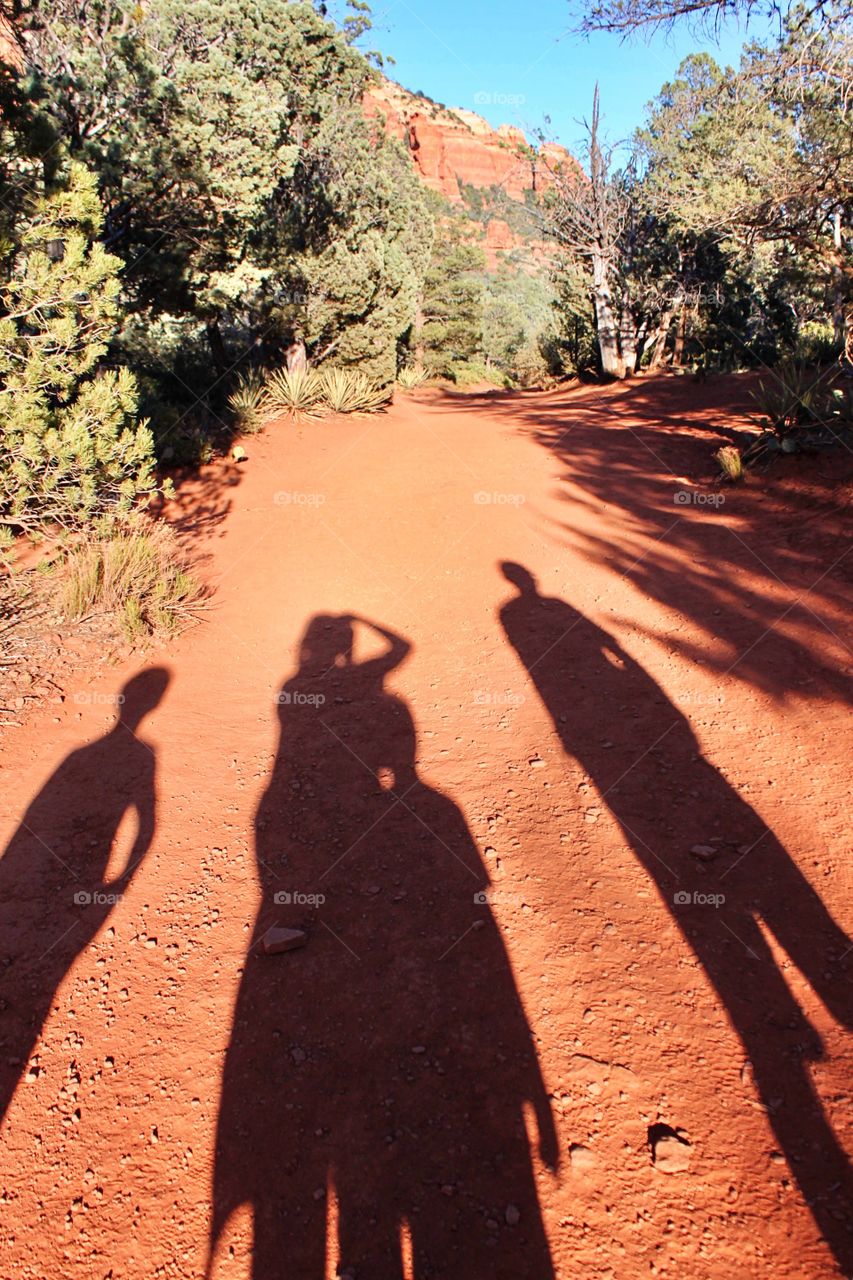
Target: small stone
column 297, row 1054
column 704, row 851
column 580, row 1157
column 419, row 1048
column 278, row 939
column 671, row 1154
column 536, row 762
column 512, row 1215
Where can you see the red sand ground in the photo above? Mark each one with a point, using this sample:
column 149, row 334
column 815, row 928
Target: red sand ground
column 439, row 1084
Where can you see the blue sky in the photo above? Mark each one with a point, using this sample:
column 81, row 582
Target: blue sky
column 516, row 63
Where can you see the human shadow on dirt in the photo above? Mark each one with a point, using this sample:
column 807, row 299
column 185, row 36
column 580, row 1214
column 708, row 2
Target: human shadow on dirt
column 378, row 1081
column 54, row 891
column 640, row 752
column 765, row 580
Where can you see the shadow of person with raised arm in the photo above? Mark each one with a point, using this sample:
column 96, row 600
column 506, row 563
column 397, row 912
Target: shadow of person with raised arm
column 667, row 797
column 54, row 891
column 376, row 1083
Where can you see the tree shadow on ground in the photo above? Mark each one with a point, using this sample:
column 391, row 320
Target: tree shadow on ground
column 762, row 571
column 54, row 892
column 379, row 1081
column 640, row 752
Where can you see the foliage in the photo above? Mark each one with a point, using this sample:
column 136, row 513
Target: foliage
column 731, row 462
column 74, row 452
column 296, row 392
column 351, row 391
column 412, row 376
column 139, row 575
column 246, row 402
column 449, row 328
column 248, row 196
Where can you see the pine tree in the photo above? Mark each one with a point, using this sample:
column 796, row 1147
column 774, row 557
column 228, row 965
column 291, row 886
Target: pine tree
column 73, row 452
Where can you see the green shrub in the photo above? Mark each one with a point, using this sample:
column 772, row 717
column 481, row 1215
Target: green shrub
column 74, row 453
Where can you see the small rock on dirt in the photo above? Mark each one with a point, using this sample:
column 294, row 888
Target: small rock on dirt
column 278, row 939
column 512, row 1215
column 704, row 851
column 671, row 1153
column 581, row 1158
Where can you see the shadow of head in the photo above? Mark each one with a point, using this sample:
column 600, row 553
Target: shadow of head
column 327, row 642
column 142, row 694
column 519, row 577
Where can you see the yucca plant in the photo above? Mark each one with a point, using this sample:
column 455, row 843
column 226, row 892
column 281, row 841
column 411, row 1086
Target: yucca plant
column 297, row 391
column 793, row 397
column 412, row 376
column 350, row 391
column 247, row 402
column 731, row 462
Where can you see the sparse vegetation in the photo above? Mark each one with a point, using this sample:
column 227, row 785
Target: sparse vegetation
column 731, row 462
column 139, row 576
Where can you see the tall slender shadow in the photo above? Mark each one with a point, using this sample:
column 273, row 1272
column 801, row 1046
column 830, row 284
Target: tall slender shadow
column 53, row 894
column 617, row 723
column 375, row 1087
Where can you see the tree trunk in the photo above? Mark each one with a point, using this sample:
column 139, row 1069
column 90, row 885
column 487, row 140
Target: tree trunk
column 680, row 338
column 607, row 330
column 217, row 346
column 660, row 341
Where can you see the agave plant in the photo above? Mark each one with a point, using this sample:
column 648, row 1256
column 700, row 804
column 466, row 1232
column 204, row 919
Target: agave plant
column 412, row 376
column 247, row 402
column 350, row 391
column 297, row 391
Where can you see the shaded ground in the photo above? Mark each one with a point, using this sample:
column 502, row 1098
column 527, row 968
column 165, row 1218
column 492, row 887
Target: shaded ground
column 546, row 749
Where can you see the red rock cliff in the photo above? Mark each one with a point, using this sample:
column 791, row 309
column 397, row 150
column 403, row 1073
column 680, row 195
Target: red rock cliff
column 451, row 148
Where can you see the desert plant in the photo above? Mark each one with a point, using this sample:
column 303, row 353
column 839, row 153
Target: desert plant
column 140, row 576
column 351, row 391
column 246, row 402
column 792, row 397
column 412, row 376
column 731, row 462
column 296, row 392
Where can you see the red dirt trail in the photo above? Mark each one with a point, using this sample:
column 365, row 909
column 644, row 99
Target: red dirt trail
column 547, row 740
